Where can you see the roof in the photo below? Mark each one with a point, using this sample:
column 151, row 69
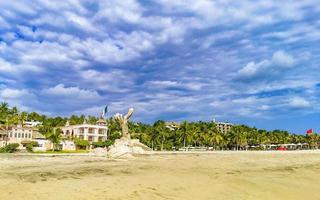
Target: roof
column 37, row 135
column 101, row 120
column 223, row 123
column 3, row 131
column 83, row 126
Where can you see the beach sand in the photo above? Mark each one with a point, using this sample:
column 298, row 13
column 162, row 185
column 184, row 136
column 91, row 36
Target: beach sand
column 218, row 175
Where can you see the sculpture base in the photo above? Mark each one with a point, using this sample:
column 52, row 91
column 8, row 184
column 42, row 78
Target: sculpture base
column 126, row 148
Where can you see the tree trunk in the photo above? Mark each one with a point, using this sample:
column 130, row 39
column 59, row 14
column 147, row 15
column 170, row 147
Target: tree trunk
column 162, row 143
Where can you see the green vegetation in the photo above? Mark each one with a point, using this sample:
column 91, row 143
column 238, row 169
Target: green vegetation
column 52, row 134
column 30, row 146
column 206, row 134
column 81, row 144
column 158, row 136
column 103, row 143
column 10, row 148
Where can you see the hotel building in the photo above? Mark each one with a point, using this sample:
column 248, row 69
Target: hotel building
column 16, row 134
column 85, row 131
column 224, row 127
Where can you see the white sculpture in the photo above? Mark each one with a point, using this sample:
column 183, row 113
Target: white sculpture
column 126, row 147
column 123, row 121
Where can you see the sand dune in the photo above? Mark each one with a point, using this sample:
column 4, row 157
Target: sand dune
column 221, row 175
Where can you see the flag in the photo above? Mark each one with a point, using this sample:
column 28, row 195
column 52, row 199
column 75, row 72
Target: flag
column 309, row 132
column 105, row 110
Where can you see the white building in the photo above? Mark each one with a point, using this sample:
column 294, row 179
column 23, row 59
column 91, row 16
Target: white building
column 17, row 134
column 20, row 135
column 43, row 143
column 85, row 131
column 172, row 125
column 224, row 127
column 32, row 123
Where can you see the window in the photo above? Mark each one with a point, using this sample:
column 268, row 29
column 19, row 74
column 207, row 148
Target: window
column 19, row 135
column 15, row 135
column 22, row 135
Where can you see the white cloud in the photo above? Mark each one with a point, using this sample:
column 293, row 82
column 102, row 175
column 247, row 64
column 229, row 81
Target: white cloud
column 114, row 81
column 111, row 51
column 282, row 59
column 22, row 98
column 71, row 92
column 164, row 84
column 299, row 102
column 6, row 67
column 9, row 93
column 3, row 23
column 9, row 68
column 126, row 10
column 279, row 62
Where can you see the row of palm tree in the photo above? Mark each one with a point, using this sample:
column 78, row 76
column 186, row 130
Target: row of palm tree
column 205, row 134
column 160, row 136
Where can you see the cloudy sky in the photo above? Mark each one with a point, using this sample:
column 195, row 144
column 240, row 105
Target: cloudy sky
column 252, row 62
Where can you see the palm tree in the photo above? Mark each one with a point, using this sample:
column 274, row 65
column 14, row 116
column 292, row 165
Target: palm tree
column 238, row 136
column 161, row 130
column 52, row 134
column 184, row 131
column 216, row 140
column 4, row 109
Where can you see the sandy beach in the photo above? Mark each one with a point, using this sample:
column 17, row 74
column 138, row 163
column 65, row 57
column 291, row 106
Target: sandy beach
column 218, row 175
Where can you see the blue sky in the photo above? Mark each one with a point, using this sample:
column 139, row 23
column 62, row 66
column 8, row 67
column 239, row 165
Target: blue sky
column 252, row 62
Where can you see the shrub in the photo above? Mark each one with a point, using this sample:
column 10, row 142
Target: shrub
column 30, row 146
column 81, row 143
column 103, row 143
column 10, row 148
column 109, row 143
column 98, row 144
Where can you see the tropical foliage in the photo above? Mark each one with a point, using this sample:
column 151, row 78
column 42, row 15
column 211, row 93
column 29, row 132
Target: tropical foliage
column 205, row 134
column 81, row 144
column 10, row 148
column 160, row 136
column 106, row 143
column 30, row 146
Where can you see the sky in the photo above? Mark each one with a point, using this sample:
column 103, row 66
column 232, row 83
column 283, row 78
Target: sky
column 246, row 62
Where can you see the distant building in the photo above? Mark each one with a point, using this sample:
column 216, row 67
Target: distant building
column 16, row 134
column 85, row 131
column 172, row 125
column 43, row 143
column 31, row 123
column 3, row 136
column 224, row 127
